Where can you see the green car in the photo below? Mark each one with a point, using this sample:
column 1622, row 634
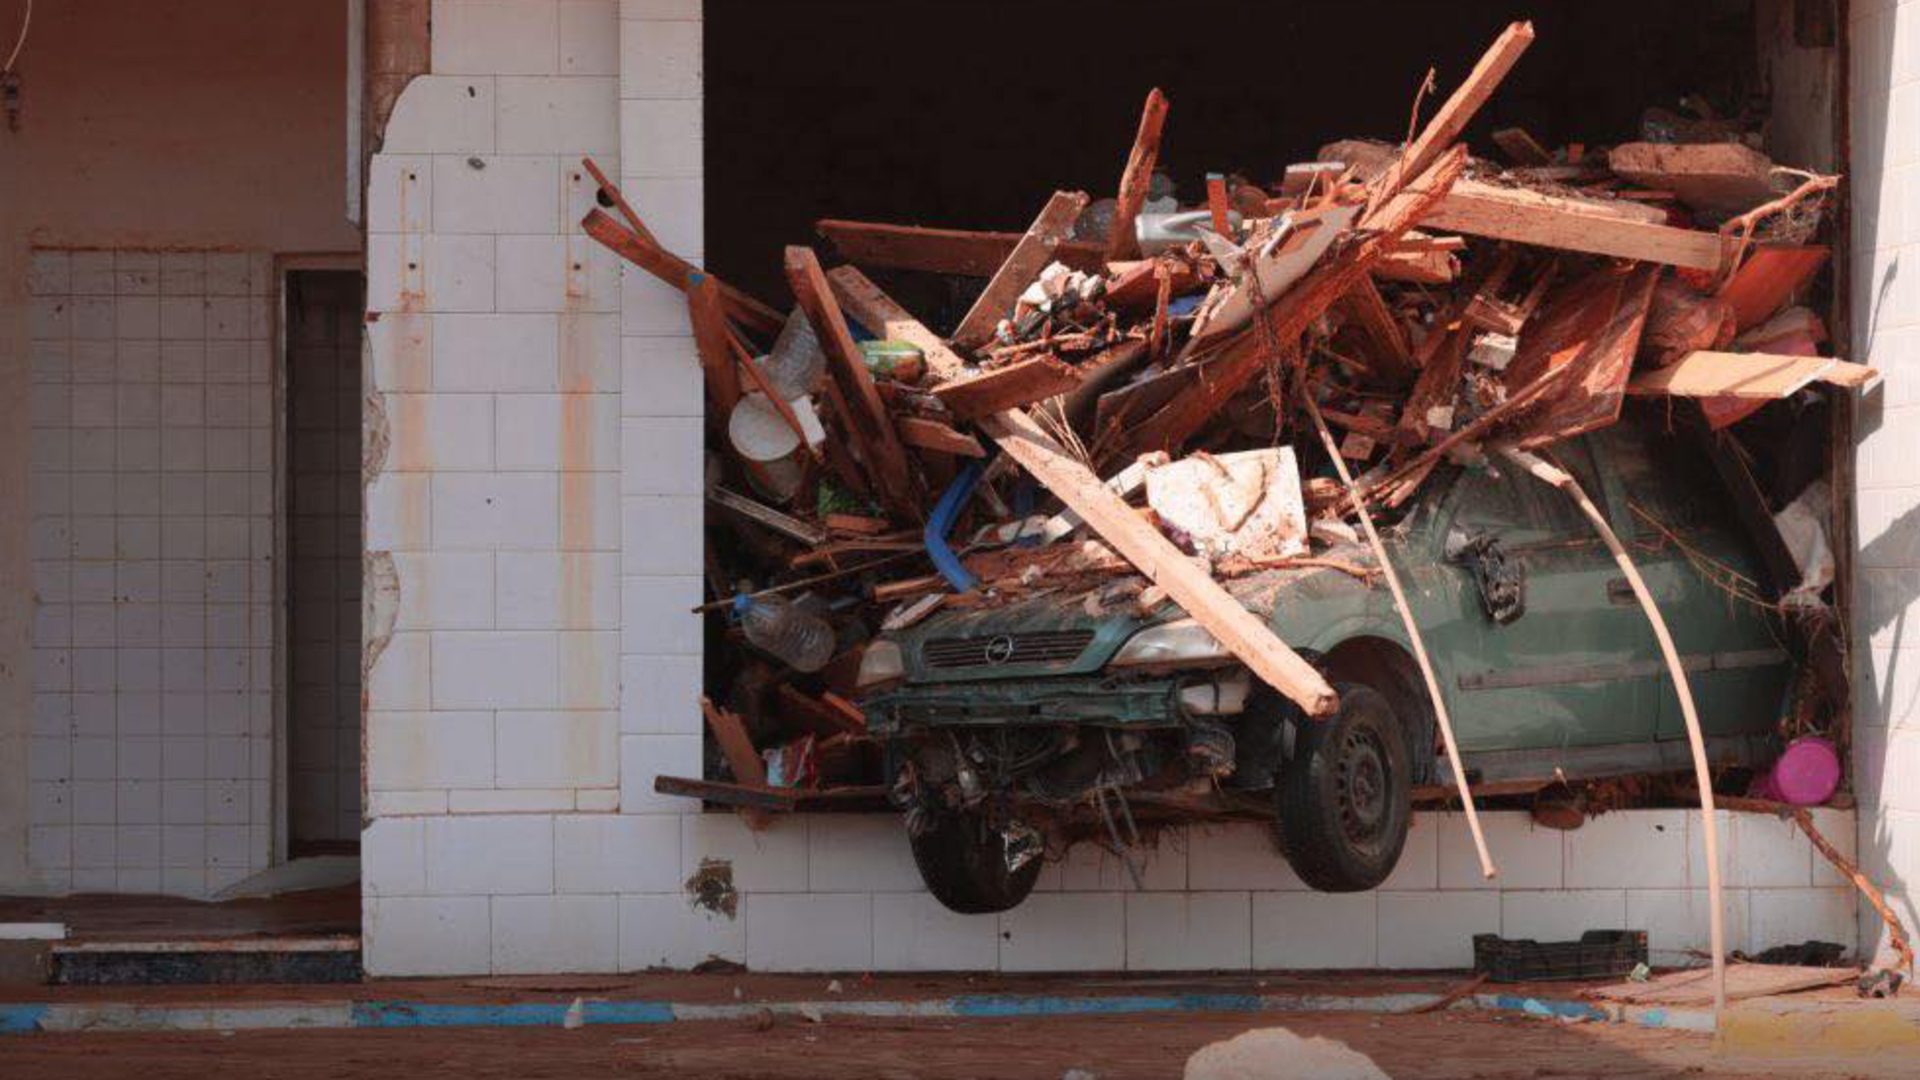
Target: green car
column 1014, row 730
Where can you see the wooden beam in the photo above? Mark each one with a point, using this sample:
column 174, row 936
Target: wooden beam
column 1023, row 382
column 1137, row 177
column 876, row 311
column 783, row 523
column 866, row 416
column 704, row 312
column 1753, row 376
column 1572, row 225
column 675, row 271
column 1027, row 259
column 924, row 434
column 1386, row 340
column 1247, row 354
column 1187, row 582
column 1421, row 266
column 1444, row 129
column 963, row 252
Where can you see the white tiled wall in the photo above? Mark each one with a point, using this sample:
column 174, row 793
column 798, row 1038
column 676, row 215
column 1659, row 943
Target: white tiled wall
column 152, row 502
column 466, row 871
column 1885, row 186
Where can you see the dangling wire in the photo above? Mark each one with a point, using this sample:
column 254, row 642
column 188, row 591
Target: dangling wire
column 26, row 20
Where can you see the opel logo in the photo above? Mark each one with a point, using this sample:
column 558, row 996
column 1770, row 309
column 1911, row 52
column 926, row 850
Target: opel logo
column 999, row 650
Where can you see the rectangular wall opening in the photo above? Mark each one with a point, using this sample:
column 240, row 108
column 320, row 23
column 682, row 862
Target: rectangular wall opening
column 322, row 530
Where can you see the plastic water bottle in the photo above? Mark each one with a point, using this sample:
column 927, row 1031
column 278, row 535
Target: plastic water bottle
column 795, row 365
column 802, row 640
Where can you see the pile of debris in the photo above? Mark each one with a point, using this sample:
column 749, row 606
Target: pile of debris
column 1202, row 391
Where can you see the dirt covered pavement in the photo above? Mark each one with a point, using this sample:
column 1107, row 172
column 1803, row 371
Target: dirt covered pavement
column 1110, row 1048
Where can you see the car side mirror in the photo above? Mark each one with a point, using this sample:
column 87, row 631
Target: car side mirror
column 1501, row 579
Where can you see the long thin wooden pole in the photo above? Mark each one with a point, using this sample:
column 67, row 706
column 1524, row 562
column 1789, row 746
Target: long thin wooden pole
column 1413, row 634
column 1702, row 775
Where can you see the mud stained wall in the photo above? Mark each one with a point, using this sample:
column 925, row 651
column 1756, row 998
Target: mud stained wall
column 156, row 126
column 1883, row 75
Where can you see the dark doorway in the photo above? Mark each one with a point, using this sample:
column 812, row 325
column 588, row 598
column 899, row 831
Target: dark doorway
column 323, row 545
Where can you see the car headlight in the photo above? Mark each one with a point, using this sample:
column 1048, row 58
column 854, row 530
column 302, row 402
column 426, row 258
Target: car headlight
column 882, row 663
column 1182, row 642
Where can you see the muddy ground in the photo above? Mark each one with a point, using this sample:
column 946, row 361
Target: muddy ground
column 1459, row 1045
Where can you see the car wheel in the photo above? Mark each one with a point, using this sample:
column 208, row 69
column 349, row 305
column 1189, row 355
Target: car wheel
column 1345, row 796
column 963, row 861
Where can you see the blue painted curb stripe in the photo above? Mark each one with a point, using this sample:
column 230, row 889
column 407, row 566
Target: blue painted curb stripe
column 995, row 1005
column 15, row 1019
column 1578, row 1010
column 401, row 1014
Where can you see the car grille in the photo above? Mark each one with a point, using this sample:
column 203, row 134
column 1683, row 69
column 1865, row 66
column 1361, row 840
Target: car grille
column 1039, row 647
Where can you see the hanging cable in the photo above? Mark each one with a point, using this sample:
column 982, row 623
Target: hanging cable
column 26, row 20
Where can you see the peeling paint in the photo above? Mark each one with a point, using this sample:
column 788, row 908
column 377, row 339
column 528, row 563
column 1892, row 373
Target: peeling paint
column 711, row 888
column 379, row 611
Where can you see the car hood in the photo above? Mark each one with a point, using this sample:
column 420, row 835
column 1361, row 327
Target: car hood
column 1076, row 632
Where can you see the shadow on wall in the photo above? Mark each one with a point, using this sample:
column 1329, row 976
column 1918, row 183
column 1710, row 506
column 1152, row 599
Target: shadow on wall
column 1883, row 304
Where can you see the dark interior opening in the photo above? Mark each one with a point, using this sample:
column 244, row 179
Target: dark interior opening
column 322, row 334
column 969, row 115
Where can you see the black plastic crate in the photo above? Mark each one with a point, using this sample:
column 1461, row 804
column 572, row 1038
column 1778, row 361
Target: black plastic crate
column 1599, row 954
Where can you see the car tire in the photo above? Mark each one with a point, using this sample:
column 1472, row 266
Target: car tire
column 963, row 861
column 1345, row 795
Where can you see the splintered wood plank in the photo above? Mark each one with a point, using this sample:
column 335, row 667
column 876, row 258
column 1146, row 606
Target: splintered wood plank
column 875, row 310
column 1421, row 266
column 924, row 434
column 865, row 415
column 1386, row 339
column 1768, row 278
column 675, row 270
column 1023, row 382
column 1753, row 376
column 1028, row 258
column 1245, row 356
column 1187, row 582
column 705, row 312
column 964, row 252
column 1528, row 217
column 1444, row 129
column 1591, row 329
column 735, row 745
column 1137, row 177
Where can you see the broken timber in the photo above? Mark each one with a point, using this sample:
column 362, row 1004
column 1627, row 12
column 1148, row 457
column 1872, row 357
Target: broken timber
column 1021, row 383
column 1760, row 376
column 1137, row 178
column 867, row 417
column 962, row 252
column 1185, row 581
column 1528, row 217
column 1023, row 264
column 1444, row 129
column 675, row 271
column 1246, row 355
